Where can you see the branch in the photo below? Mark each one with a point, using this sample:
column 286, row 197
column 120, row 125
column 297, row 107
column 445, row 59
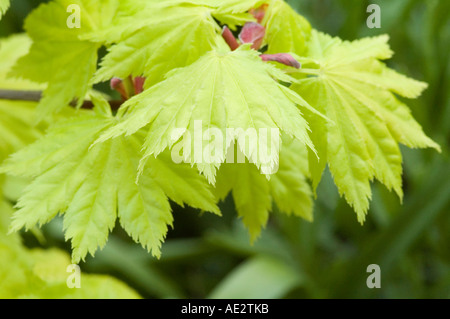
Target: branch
column 35, row 96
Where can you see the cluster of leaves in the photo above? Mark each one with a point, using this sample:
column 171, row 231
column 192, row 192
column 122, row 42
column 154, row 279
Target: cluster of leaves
column 33, row 273
column 36, row 273
column 339, row 109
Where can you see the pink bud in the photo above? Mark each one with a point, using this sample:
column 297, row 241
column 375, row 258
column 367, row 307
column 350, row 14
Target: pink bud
column 139, row 84
column 283, row 58
column 117, row 85
column 253, row 32
column 115, row 82
column 229, row 38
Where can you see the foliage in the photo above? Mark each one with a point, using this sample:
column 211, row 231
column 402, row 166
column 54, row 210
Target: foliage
column 344, row 108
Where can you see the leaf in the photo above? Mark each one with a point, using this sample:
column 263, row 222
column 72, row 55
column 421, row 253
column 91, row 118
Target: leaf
column 93, row 186
column 231, row 95
column 349, row 84
column 286, row 30
column 41, row 274
column 11, row 49
column 36, row 273
column 260, row 277
column 16, row 117
column 253, row 192
column 289, row 188
column 155, row 37
column 58, row 56
column 16, row 126
column 4, row 5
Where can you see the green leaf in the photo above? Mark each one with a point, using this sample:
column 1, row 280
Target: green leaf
column 4, row 5
column 16, row 117
column 154, row 37
column 42, row 274
column 11, row 49
column 94, row 185
column 349, row 84
column 289, row 188
column 58, row 56
column 286, row 30
column 258, row 278
column 219, row 92
column 253, row 192
column 16, row 126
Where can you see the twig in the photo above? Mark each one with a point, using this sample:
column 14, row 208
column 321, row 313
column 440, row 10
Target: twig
column 35, row 96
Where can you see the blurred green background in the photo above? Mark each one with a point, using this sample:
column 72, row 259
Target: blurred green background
column 207, row 256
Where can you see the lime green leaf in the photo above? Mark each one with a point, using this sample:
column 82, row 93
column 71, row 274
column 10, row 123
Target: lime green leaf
column 11, row 49
column 287, row 31
column 253, row 192
column 289, row 188
column 258, row 278
column 156, row 37
column 4, row 5
column 349, row 84
column 16, row 117
column 92, row 185
column 58, row 56
column 16, row 126
column 221, row 91
column 42, row 274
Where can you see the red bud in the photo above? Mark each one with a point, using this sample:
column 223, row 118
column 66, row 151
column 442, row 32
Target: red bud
column 117, row 85
column 139, row 84
column 253, row 32
column 283, row 58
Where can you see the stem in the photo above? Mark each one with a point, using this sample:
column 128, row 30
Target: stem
column 229, row 38
column 35, row 96
column 14, row 95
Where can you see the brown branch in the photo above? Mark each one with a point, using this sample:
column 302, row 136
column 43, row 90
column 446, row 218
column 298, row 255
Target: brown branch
column 35, row 96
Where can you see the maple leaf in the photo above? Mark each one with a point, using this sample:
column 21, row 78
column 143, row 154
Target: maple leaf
column 349, row 84
column 94, row 186
column 16, row 117
column 37, row 273
column 155, row 37
column 58, row 56
column 253, row 192
column 286, row 30
column 221, row 91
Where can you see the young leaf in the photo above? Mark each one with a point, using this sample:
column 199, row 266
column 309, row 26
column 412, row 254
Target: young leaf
column 156, row 37
column 16, row 117
column 11, row 49
column 349, row 84
column 253, row 192
column 58, row 56
column 221, row 91
column 93, row 186
column 36, row 273
column 287, row 31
